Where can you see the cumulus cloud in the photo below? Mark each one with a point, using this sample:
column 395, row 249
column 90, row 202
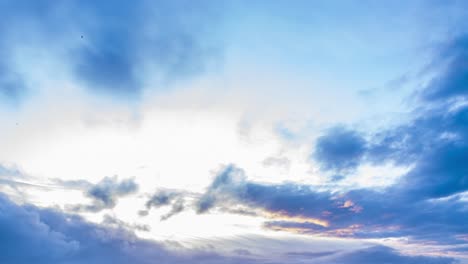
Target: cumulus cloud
column 340, row 149
column 34, row 235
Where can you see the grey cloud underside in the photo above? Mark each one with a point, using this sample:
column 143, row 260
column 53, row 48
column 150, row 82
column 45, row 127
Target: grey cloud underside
column 47, row 236
column 105, row 193
column 340, row 149
column 32, row 235
column 162, row 198
column 372, row 214
column 452, row 83
column 110, row 47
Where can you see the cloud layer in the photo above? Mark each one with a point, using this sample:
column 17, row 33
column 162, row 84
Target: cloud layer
column 30, row 234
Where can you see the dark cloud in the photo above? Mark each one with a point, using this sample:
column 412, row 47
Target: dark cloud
column 359, row 213
column 230, row 187
column 106, row 193
column 340, row 149
column 434, row 142
column 177, row 207
column 25, row 238
column 230, row 182
column 32, row 235
column 436, row 145
column 381, row 254
column 312, row 254
column 452, row 82
column 162, row 198
column 112, row 47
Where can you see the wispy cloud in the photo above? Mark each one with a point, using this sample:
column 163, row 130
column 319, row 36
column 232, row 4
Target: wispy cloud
column 105, row 193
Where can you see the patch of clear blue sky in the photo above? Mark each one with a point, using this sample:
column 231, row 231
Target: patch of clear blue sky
column 347, row 46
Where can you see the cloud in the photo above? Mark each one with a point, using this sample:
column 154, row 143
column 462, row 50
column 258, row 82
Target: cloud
column 436, row 145
column 433, row 143
column 15, row 182
column 113, row 222
column 106, row 193
column 312, row 254
column 231, row 188
column 228, row 183
column 35, row 235
column 382, row 254
column 177, row 207
column 278, row 162
column 30, row 234
column 9, row 172
column 436, row 141
column 340, row 149
column 26, row 238
column 110, row 47
column 358, row 213
column 165, row 198
column 369, row 255
column 12, row 87
column 161, row 198
column 451, row 82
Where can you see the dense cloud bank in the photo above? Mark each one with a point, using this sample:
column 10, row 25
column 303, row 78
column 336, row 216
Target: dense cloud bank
column 360, row 213
column 29, row 234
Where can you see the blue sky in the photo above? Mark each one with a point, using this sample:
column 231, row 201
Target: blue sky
column 233, row 132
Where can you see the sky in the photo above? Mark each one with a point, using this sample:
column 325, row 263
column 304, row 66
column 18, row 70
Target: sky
column 257, row 132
